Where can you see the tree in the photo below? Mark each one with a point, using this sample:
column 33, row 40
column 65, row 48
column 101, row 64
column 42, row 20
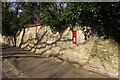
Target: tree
column 103, row 18
column 12, row 24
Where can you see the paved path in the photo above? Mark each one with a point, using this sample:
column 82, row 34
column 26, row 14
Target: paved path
column 10, row 71
column 34, row 66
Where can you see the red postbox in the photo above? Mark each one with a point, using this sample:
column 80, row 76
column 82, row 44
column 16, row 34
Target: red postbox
column 74, row 37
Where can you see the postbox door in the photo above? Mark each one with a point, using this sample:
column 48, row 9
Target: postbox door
column 74, row 37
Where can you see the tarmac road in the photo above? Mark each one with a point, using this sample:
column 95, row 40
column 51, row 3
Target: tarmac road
column 23, row 64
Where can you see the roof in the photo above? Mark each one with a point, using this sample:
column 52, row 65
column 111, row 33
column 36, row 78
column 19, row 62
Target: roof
column 34, row 25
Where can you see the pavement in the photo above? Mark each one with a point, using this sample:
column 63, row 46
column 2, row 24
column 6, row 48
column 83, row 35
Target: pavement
column 18, row 63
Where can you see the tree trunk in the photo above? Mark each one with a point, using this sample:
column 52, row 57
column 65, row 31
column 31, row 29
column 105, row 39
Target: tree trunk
column 14, row 45
column 22, row 38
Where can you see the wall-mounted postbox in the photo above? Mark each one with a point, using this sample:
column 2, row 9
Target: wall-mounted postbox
column 74, row 37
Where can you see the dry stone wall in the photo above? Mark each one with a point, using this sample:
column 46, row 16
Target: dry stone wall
column 95, row 54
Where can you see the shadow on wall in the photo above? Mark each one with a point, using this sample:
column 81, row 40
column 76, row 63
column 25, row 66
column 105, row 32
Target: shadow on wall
column 42, row 41
column 41, row 38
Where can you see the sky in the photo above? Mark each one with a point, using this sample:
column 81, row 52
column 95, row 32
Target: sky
column 11, row 0
column 13, row 7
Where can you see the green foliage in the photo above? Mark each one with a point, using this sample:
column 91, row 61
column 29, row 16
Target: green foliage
column 51, row 16
column 103, row 18
column 11, row 23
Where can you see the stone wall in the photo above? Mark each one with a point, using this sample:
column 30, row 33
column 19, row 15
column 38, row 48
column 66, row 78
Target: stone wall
column 97, row 55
